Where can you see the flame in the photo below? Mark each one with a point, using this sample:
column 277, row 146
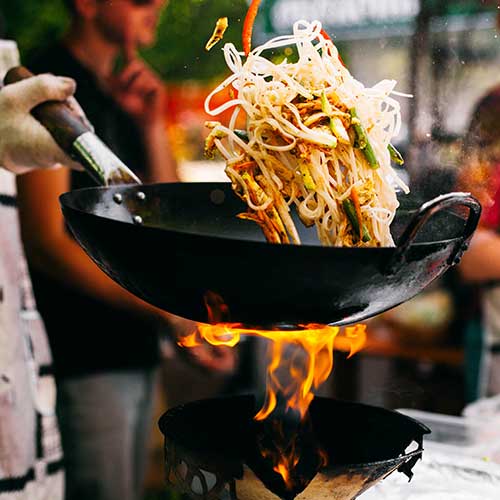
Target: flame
column 300, row 360
column 355, row 339
column 282, row 453
column 324, row 458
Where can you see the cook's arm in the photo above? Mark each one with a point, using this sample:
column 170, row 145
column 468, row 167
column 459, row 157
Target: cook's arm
column 53, row 252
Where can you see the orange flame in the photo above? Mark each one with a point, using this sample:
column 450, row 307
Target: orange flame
column 300, row 360
column 283, row 454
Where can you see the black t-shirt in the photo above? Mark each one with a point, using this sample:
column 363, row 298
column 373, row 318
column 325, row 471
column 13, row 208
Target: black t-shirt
column 86, row 335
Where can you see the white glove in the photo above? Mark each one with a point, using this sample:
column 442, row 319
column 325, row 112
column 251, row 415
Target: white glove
column 24, row 143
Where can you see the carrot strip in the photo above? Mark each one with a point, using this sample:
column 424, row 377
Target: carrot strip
column 248, row 25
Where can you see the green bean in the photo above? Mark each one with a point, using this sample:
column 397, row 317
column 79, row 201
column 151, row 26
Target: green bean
column 362, row 140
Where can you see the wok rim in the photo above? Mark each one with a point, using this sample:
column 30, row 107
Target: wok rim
column 66, row 200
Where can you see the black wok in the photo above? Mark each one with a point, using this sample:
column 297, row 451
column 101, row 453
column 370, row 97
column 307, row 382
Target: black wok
column 190, row 243
column 172, row 244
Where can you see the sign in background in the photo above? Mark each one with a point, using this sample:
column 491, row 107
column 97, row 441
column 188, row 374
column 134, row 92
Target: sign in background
column 353, row 18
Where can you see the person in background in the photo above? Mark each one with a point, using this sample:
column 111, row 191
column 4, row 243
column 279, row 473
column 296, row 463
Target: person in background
column 480, row 174
column 104, row 339
column 30, row 449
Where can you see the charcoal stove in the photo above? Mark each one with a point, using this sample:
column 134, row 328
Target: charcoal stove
column 213, row 452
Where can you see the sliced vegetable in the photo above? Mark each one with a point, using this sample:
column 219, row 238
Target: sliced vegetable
column 339, row 130
column 325, row 104
column 336, row 125
column 248, row 26
column 312, row 119
column 357, row 206
column 350, row 211
column 270, row 233
column 396, row 156
column 306, row 175
column 362, row 140
column 218, row 34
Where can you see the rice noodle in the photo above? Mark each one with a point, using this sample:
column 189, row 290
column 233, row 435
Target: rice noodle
column 295, row 156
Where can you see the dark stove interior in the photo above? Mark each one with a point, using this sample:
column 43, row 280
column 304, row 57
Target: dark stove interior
column 214, row 446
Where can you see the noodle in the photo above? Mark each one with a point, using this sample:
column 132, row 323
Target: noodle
column 315, row 139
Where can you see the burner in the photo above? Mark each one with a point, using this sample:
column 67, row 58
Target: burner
column 215, row 450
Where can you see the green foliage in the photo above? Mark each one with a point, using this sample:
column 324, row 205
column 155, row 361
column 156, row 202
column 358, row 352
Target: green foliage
column 185, row 27
column 452, row 7
column 34, row 23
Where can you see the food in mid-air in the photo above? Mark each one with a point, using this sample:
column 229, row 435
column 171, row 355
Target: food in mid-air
column 314, row 138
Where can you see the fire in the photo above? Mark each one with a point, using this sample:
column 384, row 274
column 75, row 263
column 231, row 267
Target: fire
column 283, row 453
column 300, row 360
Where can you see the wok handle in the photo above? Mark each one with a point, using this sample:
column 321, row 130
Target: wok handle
column 426, row 211
column 77, row 139
column 58, row 118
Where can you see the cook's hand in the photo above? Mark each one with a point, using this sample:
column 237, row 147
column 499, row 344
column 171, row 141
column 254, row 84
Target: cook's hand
column 219, row 359
column 24, row 143
column 140, row 93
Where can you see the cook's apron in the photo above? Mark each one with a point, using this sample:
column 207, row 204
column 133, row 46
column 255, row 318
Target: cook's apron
column 30, row 449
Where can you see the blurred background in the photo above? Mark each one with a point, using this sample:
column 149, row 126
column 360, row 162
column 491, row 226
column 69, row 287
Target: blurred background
column 426, row 354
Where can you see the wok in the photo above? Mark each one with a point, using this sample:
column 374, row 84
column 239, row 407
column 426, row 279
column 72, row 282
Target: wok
column 190, row 243
column 174, row 245
column 214, row 450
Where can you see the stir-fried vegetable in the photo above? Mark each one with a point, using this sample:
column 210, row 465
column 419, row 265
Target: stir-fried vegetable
column 336, row 125
column 395, row 155
column 362, row 140
column 304, row 146
column 218, row 34
column 360, row 231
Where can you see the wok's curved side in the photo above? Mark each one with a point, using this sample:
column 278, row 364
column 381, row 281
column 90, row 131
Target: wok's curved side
column 263, row 285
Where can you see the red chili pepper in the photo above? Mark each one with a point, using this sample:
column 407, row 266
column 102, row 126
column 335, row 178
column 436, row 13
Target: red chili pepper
column 326, row 36
column 248, row 25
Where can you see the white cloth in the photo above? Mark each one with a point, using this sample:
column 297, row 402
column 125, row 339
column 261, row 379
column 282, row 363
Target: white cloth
column 30, row 450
